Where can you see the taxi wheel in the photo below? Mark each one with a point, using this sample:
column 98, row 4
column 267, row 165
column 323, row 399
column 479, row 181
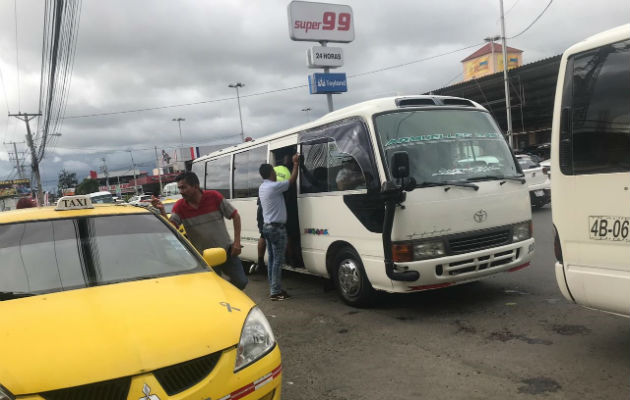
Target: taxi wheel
column 350, row 279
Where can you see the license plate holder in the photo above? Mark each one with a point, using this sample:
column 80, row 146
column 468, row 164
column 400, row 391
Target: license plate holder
column 609, row 227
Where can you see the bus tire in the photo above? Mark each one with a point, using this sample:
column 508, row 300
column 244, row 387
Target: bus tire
column 350, row 279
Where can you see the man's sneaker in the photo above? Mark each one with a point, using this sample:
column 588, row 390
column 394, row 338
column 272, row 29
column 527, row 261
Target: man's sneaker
column 279, row 296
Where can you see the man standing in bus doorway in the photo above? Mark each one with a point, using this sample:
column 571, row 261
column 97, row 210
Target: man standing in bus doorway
column 202, row 212
column 274, row 226
column 293, row 254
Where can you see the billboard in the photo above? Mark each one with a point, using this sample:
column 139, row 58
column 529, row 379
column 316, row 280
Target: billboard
column 15, row 187
column 319, row 83
column 324, row 57
column 320, row 22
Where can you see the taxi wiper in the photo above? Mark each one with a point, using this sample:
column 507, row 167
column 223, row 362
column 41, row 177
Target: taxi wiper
column 447, row 184
column 517, row 178
column 14, row 295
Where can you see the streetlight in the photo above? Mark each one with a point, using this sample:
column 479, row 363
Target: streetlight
column 179, row 123
column 491, row 40
column 308, row 112
column 238, row 99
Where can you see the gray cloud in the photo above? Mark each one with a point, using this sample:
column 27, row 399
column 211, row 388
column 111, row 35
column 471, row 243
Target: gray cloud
column 146, row 54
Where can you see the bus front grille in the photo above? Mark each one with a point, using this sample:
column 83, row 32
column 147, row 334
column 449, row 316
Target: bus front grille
column 481, row 241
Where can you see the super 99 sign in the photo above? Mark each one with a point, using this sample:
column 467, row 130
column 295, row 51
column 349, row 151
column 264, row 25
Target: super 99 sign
column 320, row 22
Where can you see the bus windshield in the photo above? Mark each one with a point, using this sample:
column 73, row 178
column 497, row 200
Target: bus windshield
column 446, row 146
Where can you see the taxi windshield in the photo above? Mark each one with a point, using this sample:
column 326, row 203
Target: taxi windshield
column 64, row 254
column 446, row 145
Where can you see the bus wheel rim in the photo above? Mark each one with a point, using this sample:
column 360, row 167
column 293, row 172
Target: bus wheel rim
column 349, row 278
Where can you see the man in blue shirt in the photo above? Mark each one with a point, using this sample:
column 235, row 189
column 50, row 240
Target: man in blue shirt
column 274, row 226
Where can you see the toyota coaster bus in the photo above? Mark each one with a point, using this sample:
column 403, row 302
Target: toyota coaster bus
column 398, row 194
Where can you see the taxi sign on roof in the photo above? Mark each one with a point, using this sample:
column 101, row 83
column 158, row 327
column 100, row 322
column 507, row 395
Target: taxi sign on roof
column 74, row 203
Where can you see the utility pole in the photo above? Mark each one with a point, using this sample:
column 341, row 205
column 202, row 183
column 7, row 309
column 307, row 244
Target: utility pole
column 34, row 161
column 157, row 164
column 133, row 166
column 17, row 158
column 104, row 169
column 508, row 107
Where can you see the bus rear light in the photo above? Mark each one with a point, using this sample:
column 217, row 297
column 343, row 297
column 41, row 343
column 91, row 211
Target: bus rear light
column 402, row 252
column 557, row 248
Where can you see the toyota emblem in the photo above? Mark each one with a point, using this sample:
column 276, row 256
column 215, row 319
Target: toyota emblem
column 480, row 216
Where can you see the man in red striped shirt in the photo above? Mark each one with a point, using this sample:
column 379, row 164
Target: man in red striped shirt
column 202, row 213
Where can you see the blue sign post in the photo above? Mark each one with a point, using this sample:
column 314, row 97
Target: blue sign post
column 326, row 83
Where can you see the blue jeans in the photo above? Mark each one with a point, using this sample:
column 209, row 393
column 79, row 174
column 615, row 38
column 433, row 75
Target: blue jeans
column 233, row 268
column 276, row 237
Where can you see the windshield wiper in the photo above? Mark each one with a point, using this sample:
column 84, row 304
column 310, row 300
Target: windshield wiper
column 518, row 178
column 14, row 295
column 448, row 183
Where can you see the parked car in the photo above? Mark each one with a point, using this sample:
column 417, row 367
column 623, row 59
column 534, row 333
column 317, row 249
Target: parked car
column 141, row 198
column 537, row 181
column 107, row 301
column 546, row 165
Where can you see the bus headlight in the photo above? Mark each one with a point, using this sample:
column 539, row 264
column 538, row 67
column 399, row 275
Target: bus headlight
column 256, row 339
column 424, row 250
column 409, row 252
column 522, row 231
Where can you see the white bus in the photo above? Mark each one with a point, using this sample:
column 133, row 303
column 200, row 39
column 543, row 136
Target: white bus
column 440, row 199
column 590, row 159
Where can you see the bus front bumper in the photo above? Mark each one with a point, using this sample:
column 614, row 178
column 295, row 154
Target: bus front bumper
column 452, row 270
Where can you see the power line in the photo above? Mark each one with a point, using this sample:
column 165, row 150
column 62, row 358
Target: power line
column 533, row 22
column 268, row 91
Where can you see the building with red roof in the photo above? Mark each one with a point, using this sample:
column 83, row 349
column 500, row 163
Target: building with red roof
column 489, row 60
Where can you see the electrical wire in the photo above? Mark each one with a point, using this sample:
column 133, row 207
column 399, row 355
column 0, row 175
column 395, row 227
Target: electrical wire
column 268, row 91
column 533, row 22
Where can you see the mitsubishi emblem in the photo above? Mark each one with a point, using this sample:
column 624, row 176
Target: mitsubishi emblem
column 480, row 216
column 146, row 389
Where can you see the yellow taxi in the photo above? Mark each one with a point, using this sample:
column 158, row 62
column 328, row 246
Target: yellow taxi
column 108, row 302
column 168, row 204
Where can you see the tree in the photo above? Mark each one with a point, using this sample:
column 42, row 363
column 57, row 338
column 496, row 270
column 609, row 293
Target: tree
column 87, row 186
column 66, row 180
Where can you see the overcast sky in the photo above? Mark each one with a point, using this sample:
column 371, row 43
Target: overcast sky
column 134, row 55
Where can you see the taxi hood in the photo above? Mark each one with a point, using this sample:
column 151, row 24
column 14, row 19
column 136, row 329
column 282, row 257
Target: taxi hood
column 76, row 337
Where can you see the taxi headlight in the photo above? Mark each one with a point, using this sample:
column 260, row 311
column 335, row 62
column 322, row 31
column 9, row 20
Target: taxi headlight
column 522, row 231
column 256, row 339
column 5, row 394
column 426, row 250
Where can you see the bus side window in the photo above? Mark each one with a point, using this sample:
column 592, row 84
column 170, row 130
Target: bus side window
column 218, row 175
column 326, row 169
column 246, row 178
column 314, row 168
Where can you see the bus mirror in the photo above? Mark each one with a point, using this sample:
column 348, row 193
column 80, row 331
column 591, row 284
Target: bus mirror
column 409, row 184
column 400, row 165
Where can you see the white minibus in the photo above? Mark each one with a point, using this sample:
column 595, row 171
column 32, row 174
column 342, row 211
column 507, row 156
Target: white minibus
column 590, row 159
column 397, row 194
column 101, row 197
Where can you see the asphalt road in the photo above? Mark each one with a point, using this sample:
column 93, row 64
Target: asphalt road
column 510, row 336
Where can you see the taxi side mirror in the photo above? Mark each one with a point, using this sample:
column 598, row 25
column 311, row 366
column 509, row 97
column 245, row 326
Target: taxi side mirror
column 214, row 256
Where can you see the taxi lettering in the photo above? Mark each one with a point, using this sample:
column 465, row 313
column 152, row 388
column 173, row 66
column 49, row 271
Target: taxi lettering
column 75, row 203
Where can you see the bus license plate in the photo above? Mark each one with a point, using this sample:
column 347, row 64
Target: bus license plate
column 604, row 227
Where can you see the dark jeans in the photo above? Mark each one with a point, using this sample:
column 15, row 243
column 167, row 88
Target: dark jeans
column 276, row 237
column 233, row 268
